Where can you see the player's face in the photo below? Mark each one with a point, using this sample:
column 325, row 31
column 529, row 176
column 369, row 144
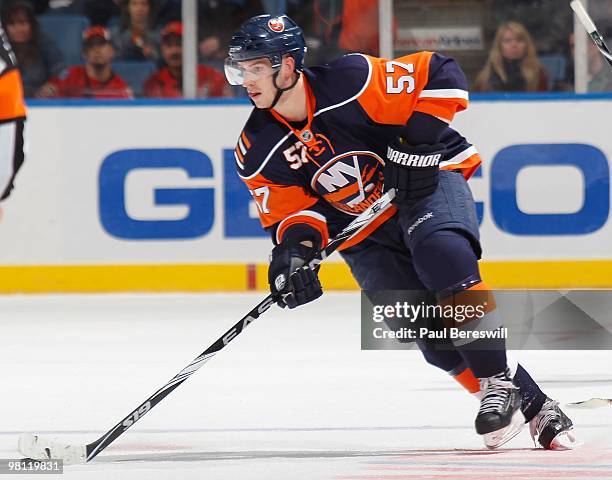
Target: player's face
column 19, row 29
column 513, row 45
column 259, row 80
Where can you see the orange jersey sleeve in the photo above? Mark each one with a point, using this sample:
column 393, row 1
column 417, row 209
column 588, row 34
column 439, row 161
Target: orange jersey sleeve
column 11, row 89
column 424, row 82
column 283, row 206
column 277, row 202
column 11, row 96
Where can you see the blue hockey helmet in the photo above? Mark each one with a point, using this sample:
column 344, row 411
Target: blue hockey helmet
column 265, row 36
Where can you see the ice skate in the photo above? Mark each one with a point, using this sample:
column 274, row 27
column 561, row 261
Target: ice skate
column 552, row 429
column 499, row 418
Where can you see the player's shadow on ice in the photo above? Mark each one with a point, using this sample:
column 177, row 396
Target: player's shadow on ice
column 433, row 454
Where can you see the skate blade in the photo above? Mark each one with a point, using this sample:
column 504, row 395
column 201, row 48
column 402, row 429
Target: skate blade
column 565, row 441
column 497, row 438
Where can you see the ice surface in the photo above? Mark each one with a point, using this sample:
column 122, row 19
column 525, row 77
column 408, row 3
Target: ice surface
column 293, row 397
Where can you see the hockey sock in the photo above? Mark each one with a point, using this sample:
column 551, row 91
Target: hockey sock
column 467, row 380
column 486, row 356
column 532, row 398
column 446, row 263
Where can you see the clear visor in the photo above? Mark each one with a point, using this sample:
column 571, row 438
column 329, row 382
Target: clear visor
column 237, row 73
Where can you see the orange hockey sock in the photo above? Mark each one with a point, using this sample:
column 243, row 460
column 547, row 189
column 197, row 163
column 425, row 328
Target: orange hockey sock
column 467, row 379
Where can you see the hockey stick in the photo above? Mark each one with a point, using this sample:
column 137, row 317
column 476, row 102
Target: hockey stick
column 37, row 448
column 591, row 29
column 592, row 403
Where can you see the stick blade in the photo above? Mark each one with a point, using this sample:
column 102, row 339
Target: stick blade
column 592, row 403
column 583, row 16
column 37, row 448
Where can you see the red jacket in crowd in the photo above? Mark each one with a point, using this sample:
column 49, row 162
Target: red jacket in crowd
column 75, row 83
column 162, row 84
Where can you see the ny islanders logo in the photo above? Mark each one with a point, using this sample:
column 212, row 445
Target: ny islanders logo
column 350, row 182
column 276, row 24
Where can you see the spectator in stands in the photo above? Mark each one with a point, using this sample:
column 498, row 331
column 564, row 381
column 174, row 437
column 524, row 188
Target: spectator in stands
column 216, row 23
column 100, row 12
column 322, row 24
column 39, row 6
column 38, row 57
column 169, row 11
column 513, row 64
column 167, row 81
column 134, row 37
column 96, row 78
column 547, row 20
column 600, row 75
column 360, row 27
column 335, row 27
column 566, row 84
column 62, row 7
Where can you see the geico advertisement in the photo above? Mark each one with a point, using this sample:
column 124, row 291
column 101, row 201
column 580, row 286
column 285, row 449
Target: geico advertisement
column 157, row 184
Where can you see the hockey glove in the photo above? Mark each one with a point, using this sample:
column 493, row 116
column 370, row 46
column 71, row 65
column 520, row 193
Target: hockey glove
column 291, row 280
column 412, row 170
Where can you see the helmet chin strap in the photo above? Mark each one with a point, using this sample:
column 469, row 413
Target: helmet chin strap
column 280, row 91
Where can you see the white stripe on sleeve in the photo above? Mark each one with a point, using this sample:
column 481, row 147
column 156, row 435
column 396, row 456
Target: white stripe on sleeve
column 306, row 213
column 445, row 93
column 460, row 157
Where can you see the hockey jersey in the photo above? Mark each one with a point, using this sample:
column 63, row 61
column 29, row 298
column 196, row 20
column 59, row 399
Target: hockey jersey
column 325, row 171
column 11, row 90
column 12, row 117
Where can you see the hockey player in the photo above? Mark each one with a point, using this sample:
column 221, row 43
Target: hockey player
column 323, row 143
column 12, row 118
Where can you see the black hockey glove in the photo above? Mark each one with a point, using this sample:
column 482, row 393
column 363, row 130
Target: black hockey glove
column 412, row 170
column 291, row 280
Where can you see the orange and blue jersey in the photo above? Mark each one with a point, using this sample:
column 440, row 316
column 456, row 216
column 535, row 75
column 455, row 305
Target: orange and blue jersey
column 326, row 170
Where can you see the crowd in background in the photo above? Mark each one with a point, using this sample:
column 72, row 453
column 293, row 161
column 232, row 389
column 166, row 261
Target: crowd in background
column 117, row 33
